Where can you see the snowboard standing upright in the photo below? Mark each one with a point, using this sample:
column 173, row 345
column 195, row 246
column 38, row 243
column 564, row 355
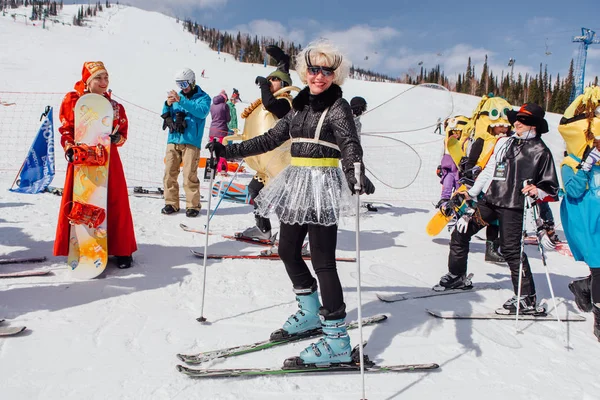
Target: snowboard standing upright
column 88, row 241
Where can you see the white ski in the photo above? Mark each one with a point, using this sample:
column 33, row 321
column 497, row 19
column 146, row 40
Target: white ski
column 501, row 314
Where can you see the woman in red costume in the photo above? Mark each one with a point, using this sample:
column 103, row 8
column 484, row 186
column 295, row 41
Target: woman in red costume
column 121, row 237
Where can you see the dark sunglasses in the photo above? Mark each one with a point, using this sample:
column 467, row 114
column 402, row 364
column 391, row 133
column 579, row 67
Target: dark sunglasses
column 326, row 71
column 525, row 120
column 274, row 78
column 182, row 84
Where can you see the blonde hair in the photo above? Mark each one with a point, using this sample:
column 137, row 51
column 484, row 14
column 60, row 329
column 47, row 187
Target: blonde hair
column 323, row 53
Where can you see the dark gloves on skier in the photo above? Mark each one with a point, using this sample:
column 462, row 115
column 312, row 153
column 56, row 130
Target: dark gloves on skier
column 261, row 80
column 366, row 186
column 180, row 124
column 116, row 138
column 168, row 122
column 217, row 149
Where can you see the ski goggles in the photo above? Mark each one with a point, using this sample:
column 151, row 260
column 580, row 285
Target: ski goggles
column 182, row 84
column 326, row 71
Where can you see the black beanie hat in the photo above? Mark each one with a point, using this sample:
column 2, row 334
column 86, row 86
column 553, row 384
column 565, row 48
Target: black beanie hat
column 358, row 105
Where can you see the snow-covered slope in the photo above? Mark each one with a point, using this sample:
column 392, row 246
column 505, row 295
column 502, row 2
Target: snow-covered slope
column 116, row 337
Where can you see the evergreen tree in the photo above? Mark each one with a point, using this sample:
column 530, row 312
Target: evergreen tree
column 482, row 87
column 468, row 78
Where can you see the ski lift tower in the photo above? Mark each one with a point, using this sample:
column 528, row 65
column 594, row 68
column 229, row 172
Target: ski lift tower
column 587, row 37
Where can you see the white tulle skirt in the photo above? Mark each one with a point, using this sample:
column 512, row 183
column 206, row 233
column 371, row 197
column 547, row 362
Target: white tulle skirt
column 307, row 195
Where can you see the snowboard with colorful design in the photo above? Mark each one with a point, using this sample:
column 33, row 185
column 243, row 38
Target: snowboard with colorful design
column 88, row 245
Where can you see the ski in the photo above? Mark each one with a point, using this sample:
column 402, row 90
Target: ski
column 200, row 358
column 22, row 274
column 294, row 365
column 257, row 257
column 238, row 237
column 340, row 368
column 10, row 330
column 22, row 260
column 391, row 298
column 500, row 314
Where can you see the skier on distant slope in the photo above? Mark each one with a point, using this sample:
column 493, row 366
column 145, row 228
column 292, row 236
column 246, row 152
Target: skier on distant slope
column 121, row 236
column 310, row 195
column 523, row 156
column 279, row 107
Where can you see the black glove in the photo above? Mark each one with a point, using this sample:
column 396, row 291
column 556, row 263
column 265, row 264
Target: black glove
column 115, row 138
column 261, row 80
column 217, row 149
column 168, row 122
column 180, row 123
column 366, row 186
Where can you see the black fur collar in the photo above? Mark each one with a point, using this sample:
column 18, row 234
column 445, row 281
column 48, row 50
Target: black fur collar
column 319, row 102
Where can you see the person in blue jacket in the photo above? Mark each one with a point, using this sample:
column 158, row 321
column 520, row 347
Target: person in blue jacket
column 580, row 217
column 184, row 113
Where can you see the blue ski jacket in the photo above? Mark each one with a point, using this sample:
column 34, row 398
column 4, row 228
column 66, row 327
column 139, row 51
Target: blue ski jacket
column 196, row 108
column 580, row 213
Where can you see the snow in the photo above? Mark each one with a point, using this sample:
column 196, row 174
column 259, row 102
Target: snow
column 116, row 337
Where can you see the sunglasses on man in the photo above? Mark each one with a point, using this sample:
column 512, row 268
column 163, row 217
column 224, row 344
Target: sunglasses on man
column 274, row 79
column 326, row 71
column 183, row 84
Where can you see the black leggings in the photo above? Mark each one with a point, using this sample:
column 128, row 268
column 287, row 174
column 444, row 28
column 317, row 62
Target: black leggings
column 323, row 242
column 254, row 188
column 511, row 233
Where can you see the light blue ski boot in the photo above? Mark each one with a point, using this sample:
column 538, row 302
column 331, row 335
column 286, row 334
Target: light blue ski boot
column 333, row 348
column 306, row 320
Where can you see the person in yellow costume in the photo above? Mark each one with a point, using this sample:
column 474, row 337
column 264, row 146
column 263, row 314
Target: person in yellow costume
column 580, row 207
column 488, row 123
column 279, row 107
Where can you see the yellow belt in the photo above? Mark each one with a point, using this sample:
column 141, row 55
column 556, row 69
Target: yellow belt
column 314, row 162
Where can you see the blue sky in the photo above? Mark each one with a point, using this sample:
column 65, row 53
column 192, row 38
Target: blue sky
column 397, row 35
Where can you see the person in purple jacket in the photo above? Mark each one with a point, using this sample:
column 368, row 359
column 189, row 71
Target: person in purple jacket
column 447, row 170
column 219, row 112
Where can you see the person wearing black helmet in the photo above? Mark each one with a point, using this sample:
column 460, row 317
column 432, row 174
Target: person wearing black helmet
column 522, row 157
column 358, row 106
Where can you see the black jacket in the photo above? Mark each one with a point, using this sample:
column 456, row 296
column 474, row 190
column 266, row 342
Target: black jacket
column 278, row 107
column 338, row 130
column 524, row 159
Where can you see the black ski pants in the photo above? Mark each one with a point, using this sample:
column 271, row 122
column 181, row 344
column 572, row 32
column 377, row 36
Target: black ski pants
column 254, row 188
column 323, row 242
column 511, row 236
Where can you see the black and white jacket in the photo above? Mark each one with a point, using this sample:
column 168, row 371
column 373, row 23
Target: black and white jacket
column 337, row 136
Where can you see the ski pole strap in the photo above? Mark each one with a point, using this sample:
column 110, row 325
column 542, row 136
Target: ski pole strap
column 314, row 162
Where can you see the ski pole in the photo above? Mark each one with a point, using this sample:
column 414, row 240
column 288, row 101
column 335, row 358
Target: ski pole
column 357, row 188
column 523, row 233
column 226, row 189
column 543, row 255
column 210, row 163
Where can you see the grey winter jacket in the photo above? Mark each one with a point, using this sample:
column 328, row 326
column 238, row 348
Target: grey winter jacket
column 338, row 133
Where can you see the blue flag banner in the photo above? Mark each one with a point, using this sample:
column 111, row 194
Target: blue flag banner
column 37, row 171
